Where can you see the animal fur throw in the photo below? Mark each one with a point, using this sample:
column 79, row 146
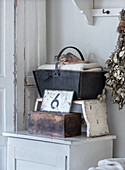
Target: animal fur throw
column 115, row 78
column 69, row 58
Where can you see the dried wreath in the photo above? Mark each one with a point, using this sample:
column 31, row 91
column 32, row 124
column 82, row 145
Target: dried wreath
column 115, row 77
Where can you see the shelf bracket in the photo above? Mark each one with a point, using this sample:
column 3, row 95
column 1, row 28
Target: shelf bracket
column 85, row 7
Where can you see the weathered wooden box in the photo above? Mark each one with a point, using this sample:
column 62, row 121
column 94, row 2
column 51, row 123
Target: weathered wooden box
column 54, row 124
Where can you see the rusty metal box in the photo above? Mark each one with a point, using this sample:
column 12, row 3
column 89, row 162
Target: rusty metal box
column 86, row 85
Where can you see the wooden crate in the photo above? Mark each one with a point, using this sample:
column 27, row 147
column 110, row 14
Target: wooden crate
column 54, row 124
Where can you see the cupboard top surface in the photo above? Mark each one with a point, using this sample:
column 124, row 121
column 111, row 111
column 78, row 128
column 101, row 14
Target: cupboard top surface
column 67, row 141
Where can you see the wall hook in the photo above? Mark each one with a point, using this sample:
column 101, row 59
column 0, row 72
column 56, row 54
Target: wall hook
column 105, row 12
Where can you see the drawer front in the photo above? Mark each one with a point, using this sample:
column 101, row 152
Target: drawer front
column 31, row 155
column 25, row 164
column 20, row 165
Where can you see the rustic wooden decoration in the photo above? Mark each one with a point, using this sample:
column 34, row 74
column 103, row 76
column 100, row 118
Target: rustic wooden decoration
column 95, row 116
column 38, row 104
column 54, row 124
column 57, row 101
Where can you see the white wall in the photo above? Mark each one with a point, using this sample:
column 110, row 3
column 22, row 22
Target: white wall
column 66, row 26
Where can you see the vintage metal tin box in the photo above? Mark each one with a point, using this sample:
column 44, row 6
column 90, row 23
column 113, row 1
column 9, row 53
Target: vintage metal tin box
column 86, row 85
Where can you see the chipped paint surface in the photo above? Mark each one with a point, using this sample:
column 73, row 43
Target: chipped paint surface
column 57, row 101
column 28, row 55
column 95, row 115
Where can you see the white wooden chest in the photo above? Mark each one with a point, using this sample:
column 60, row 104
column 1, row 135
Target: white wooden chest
column 28, row 152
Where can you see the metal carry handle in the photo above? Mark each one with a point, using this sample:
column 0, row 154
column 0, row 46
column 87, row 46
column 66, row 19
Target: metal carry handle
column 57, row 61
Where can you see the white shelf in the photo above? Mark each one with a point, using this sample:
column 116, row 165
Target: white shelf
column 86, row 8
column 114, row 12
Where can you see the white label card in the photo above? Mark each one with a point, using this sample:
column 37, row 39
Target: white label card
column 57, row 101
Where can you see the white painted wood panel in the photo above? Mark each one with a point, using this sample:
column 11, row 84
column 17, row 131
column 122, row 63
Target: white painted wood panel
column 10, row 158
column 6, row 74
column 2, row 33
column 19, row 28
column 2, row 157
column 30, row 52
column 32, row 166
column 8, row 55
column 88, row 155
column 2, row 153
column 76, row 153
column 28, row 155
column 2, row 128
column 2, row 109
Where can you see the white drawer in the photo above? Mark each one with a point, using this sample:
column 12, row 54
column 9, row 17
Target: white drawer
column 27, row 154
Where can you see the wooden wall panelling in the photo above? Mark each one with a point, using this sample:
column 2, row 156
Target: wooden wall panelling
column 2, row 59
column 30, row 98
column 6, row 74
column 19, row 40
column 2, row 121
column 35, row 48
column 7, row 60
column 31, row 52
column 2, row 109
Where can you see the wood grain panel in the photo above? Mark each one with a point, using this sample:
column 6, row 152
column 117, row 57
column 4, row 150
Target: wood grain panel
column 20, row 46
column 35, row 35
column 2, row 59
column 6, row 74
column 31, row 52
column 25, row 165
column 2, row 109
column 3, row 142
column 34, row 155
column 30, row 98
column 2, row 157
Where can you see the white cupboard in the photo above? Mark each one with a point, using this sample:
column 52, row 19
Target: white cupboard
column 29, row 152
column 22, row 49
